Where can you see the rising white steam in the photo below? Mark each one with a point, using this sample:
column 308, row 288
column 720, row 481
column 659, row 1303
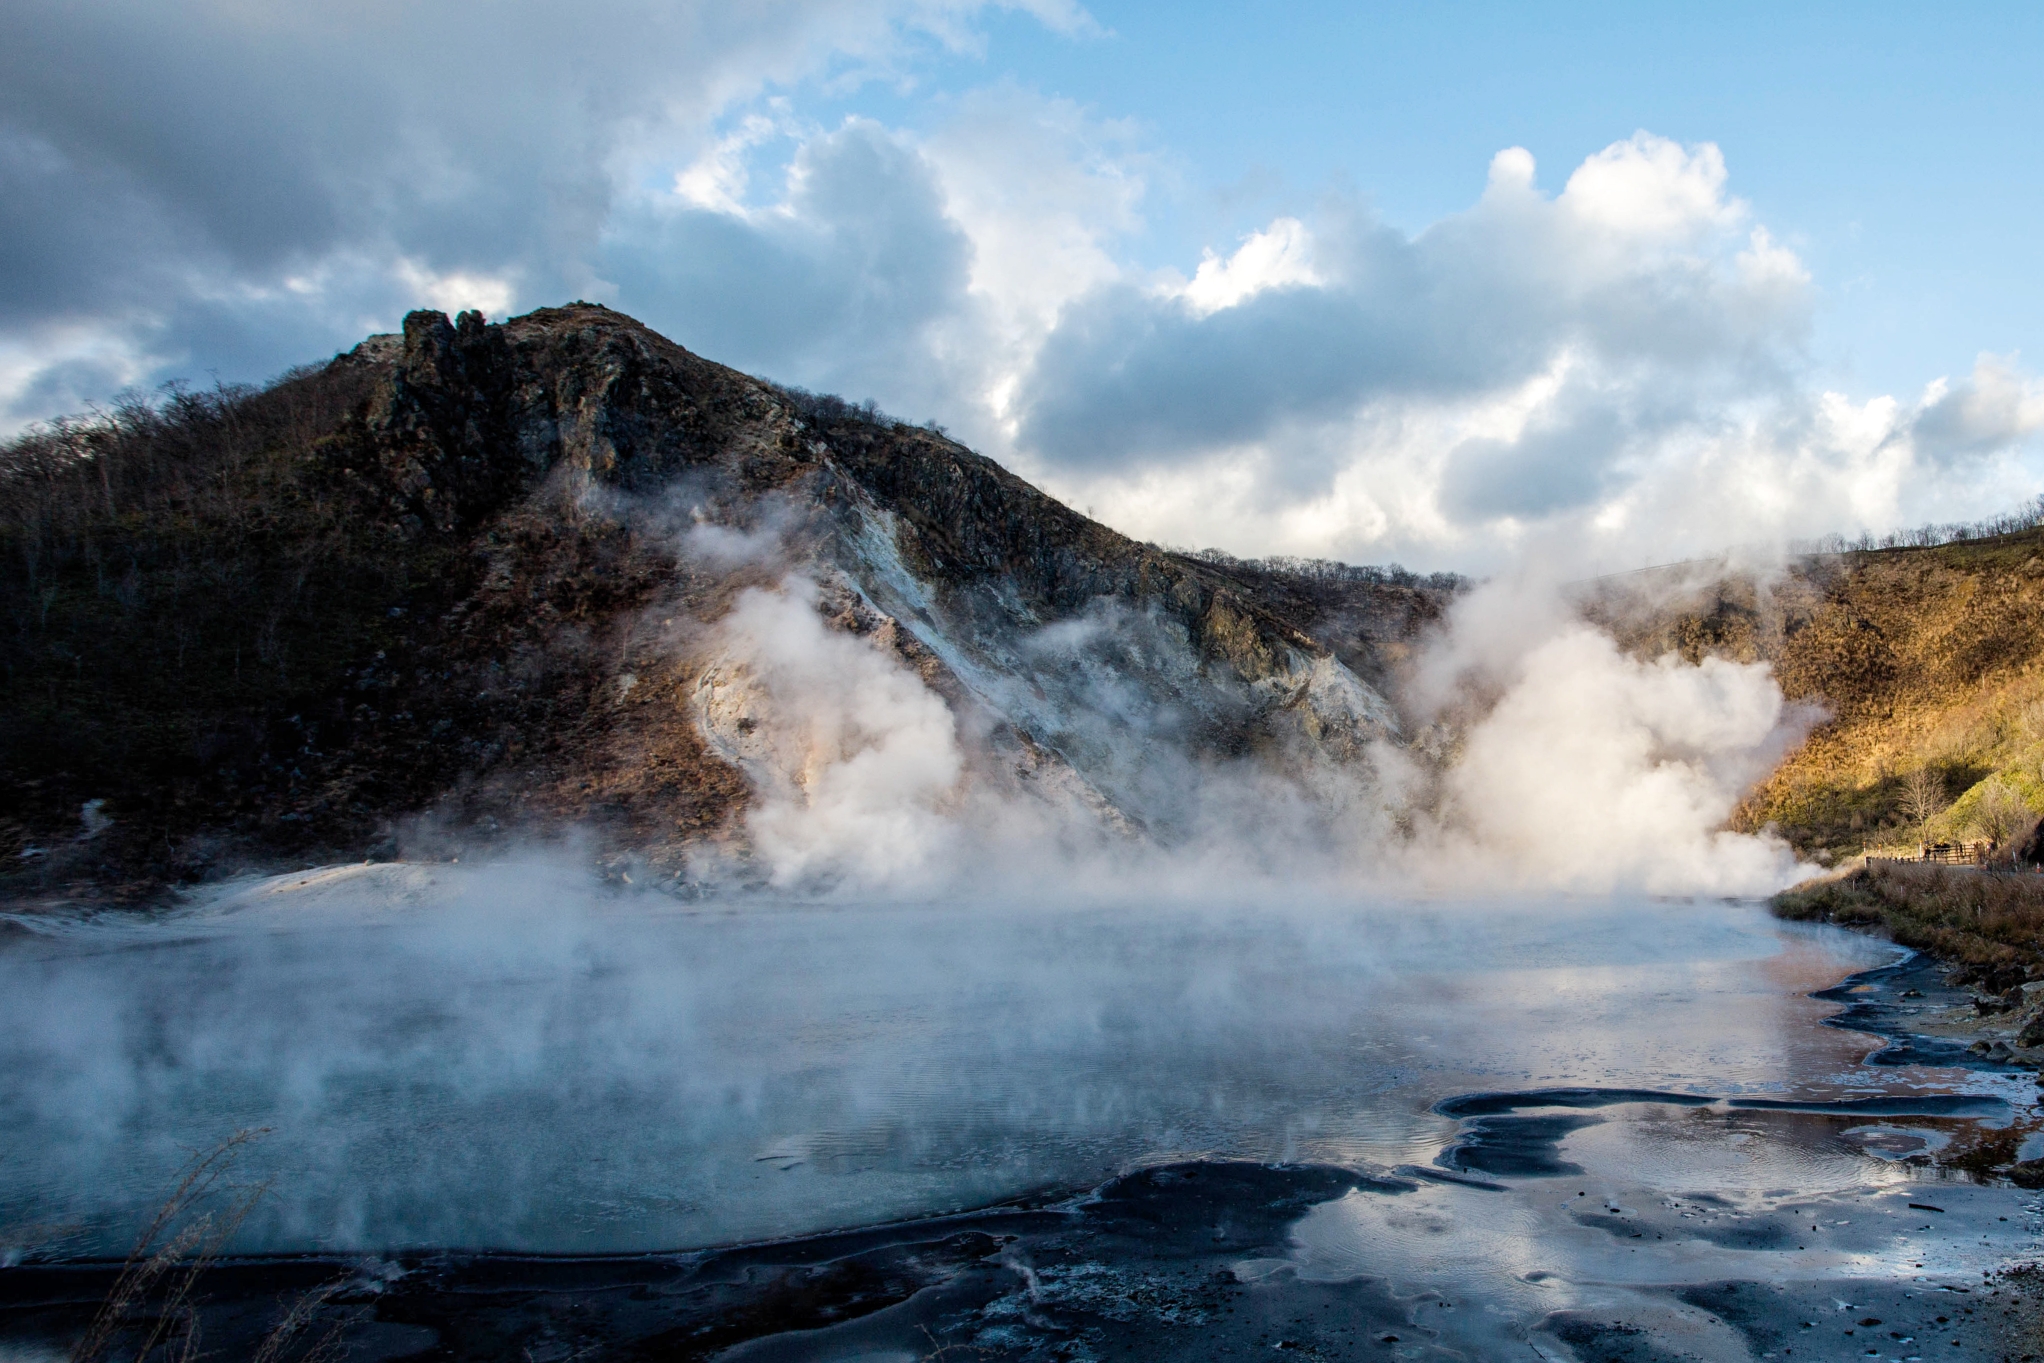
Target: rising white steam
column 1598, row 770
column 1559, row 762
column 1593, row 770
column 851, row 757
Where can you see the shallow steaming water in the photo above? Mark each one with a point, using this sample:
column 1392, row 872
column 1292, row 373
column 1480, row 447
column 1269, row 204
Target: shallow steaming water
column 502, row 1059
column 505, row 1058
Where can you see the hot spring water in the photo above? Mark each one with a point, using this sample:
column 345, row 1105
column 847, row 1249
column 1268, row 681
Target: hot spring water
column 503, row 1058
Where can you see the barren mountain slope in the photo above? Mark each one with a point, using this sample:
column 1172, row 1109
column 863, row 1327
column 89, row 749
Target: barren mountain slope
column 479, row 578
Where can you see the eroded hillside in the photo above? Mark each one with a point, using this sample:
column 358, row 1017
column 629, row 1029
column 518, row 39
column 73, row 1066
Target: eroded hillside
column 481, row 579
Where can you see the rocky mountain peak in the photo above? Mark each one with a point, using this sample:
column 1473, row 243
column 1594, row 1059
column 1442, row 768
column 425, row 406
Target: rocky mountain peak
column 560, row 573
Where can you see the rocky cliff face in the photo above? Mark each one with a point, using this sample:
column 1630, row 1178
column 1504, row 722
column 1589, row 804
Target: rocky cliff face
column 561, row 573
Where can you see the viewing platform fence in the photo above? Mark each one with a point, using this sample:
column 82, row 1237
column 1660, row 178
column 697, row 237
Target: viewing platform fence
column 1941, row 854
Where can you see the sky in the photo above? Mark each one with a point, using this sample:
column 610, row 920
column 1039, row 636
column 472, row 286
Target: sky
column 1445, row 284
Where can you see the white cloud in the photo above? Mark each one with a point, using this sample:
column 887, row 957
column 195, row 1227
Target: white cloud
column 1989, row 410
column 1620, row 368
column 234, row 188
column 1280, row 255
column 1044, row 192
column 853, row 280
column 453, row 291
column 720, row 176
column 1618, row 372
column 60, row 367
column 1648, row 188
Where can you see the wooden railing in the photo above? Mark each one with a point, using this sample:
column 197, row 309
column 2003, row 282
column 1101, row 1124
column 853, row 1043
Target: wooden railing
column 1945, row 854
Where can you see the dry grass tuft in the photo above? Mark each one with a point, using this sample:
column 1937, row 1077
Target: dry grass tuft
column 153, row 1312
column 1975, row 917
column 151, row 1305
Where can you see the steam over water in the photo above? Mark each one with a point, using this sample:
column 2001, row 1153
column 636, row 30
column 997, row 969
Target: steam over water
column 502, row 1058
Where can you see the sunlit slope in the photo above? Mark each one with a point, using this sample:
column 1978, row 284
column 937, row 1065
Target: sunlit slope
column 1924, row 660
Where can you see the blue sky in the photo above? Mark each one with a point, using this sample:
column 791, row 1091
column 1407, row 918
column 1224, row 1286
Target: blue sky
column 1900, row 151
column 1284, row 280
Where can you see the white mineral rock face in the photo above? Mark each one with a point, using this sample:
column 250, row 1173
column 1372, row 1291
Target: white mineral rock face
column 1335, row 706
column 860, row 681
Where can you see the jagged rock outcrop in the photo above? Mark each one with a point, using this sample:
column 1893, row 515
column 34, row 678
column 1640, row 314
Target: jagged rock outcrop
column 528, row 534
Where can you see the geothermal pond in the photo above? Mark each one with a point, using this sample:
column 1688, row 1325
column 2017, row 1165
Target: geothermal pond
column 1496, row 1123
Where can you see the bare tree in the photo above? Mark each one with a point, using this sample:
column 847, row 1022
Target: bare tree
column 2002, row 813
column 1923, row 797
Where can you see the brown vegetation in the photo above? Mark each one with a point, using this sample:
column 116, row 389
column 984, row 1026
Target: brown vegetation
column 1987, row 919
column 249, row 626
column 1927, row 664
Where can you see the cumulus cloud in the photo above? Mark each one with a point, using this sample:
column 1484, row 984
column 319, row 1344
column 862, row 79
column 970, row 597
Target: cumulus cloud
column 839, row 285
column 1638, row 293
column 1616, row 372
column 1281, row 254
column 1046, row 191
column 1989, row 410
column 240, row 187
column 1618, row 369
column 1608, row 273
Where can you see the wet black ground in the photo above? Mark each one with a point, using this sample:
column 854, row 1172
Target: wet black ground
column 1882, row 1002
column 1202, row 1260
column 1139, row 1269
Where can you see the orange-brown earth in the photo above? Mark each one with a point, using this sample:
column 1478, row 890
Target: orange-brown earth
column 1923, row 660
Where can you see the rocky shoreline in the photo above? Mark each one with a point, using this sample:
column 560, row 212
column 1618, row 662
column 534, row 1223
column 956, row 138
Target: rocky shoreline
column 2003, row 1020
column 1993, row 1011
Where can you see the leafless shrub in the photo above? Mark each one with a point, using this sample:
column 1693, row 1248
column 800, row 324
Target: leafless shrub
column 1330, row 571
column 1923, row 797
column 2002, row 812
column 828, row 409
column 2027, row 517
column 276, row 1346
column 152, row 1312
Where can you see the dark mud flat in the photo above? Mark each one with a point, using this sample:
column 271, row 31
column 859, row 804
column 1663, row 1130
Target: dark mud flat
column 1141, row 1268
column 1168, row 1263
column 1886, row 1002
column 1187, row 1261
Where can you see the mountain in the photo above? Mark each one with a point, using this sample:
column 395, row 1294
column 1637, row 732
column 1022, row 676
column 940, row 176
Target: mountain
column 559, row 575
